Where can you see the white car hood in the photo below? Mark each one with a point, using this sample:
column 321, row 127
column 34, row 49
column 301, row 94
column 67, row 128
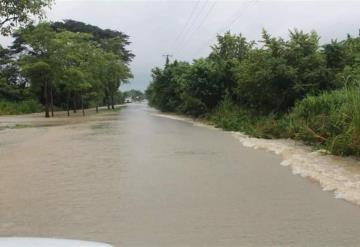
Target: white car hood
column 47, row 242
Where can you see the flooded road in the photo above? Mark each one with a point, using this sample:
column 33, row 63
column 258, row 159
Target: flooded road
column 132, row 178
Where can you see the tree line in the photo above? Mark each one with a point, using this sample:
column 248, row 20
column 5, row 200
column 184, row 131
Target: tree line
column 134, row 95
column 65, row 65
column 290, row 88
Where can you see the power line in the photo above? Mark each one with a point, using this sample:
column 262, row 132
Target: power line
column 201, row 23
column 187, row 22
column 206, row 16
column 184, row 38
column 236, row 17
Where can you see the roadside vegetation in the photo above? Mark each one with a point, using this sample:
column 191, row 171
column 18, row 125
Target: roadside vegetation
column 134, row 95
column 66, row 65
column 276, row 88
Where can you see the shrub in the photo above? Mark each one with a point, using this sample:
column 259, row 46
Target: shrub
column 22, row 107
column 232, row 117
column 331, row 120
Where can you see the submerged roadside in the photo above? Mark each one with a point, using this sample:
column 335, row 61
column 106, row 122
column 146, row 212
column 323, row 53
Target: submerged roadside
column 60, row 118
column 334, row 173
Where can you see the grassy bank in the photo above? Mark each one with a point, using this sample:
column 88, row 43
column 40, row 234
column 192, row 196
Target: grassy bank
column 330, row 121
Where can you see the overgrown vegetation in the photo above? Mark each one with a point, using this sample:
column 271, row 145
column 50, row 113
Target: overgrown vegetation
column 25, row 106
column 331, row 120
column 134, row 95
column 276, row 88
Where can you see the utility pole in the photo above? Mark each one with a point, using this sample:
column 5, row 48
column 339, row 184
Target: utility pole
column 167, row 58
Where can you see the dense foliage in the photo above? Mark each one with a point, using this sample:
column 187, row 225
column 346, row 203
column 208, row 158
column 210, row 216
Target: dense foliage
column 277, row 87
column 134, row 95
column 64, row 65
column 19, row 12
column 331, row 119
column 109, row 40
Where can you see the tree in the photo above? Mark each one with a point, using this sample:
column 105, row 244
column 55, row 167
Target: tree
column 61, row 67
column 81, row 63
column 109, row 40
column 39, row 64
column 265, row 79
column 264, row 82
column 303, row 54
column 229, row 50
column 335, row 55
column 116, row 73
column 167, row 86
column 278, row 74
column 230, row 46
column 40, row 74
column 19, row 12
column 13, row 87
column 203, row 87
column 349, row 62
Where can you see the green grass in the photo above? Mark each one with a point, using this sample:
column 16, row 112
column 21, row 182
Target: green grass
column 229, row 116
column 330, row 121
column 22, row 107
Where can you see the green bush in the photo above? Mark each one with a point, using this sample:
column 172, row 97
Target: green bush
column 22, row 107
column 330, row 120
column 232, row 117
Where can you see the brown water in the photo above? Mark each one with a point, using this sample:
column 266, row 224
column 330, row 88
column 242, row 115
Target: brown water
column 132, row 178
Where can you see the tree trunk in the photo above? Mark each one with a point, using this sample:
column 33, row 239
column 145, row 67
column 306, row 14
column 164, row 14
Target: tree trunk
column 68, row 103
column 112, row 102
column 97, row 108
column 52, row 102
column 82, row 104
column 74, row 103
column 46, row 96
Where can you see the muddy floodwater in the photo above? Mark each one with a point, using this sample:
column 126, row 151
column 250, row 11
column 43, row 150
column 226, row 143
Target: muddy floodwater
column 133, row 178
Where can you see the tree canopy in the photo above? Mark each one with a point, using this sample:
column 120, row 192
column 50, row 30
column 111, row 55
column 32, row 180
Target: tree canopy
column 269, row 76
column 110, row 40
column 20, row 12
column 64, row 69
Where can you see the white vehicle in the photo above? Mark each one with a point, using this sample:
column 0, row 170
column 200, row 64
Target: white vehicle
column 47, row 242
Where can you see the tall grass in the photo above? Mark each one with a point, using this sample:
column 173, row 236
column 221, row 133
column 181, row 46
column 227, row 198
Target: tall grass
column 330, row 120
column 22, row 107
column 229, row 116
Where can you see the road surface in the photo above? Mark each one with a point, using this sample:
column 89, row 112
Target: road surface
column 132, row 178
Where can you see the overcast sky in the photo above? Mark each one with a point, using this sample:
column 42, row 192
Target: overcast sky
column 186, row 29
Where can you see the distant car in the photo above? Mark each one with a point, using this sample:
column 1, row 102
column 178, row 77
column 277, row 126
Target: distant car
column 128, row 100
column 47, row 242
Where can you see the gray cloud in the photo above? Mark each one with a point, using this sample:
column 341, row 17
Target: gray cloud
column 157, row 27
